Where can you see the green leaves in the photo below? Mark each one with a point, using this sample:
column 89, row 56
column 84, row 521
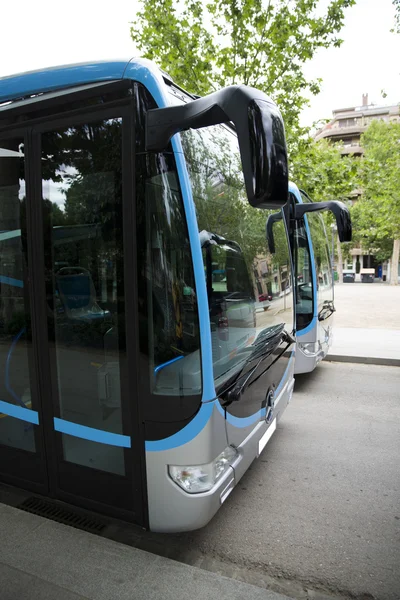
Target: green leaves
column 173, row 36
column 396, row 4
column 258, row 43
column 321, row 170
column 377, row 215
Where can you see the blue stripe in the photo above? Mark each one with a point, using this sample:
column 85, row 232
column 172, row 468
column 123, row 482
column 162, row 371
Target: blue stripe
column 92, row 434
column 24, row 414
column 307, row 329
column 241, row 422
column 11, row 281
column 185, row 435
column 169, row 362
column 201, row 290
column 155, row 84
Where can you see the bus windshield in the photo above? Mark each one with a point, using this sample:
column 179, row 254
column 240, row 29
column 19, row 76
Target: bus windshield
column 249, row 290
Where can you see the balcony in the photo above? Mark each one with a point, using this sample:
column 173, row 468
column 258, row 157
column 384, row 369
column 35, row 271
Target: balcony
column 340, row 132
column 352, row 149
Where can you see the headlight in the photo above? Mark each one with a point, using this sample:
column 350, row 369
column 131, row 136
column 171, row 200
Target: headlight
column 309, row 348
column 201, row 478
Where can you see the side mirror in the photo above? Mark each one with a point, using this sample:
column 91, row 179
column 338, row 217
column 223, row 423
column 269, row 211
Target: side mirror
column 269, row 226
column 340, row 210
column 260, row 131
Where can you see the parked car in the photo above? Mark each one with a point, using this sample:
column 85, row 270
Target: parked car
column 264, row 297
column 349, row 276
column 367, row 275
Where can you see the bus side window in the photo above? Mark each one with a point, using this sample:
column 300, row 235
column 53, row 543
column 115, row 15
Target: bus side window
column 169, row 337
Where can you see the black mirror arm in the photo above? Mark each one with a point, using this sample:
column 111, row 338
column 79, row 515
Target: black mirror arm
column 269, row 226
column 163, row 123
column 260, row 131
column 340, row 211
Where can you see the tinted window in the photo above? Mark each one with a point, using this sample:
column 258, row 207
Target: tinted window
column 168, row 317
column 249, row 290
column 84, row 260
column 304, row 285
column 15, row 317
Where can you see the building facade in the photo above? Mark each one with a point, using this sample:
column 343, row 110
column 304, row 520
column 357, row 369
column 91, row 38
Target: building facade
column 348, row 124
column 346, row 127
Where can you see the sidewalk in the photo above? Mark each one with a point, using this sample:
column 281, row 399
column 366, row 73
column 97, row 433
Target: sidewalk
column 44, row 560
column 371, row 346
column 366, row 326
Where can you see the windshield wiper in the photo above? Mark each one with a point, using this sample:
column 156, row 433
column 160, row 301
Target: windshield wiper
column 263, row 348
column 265, row 344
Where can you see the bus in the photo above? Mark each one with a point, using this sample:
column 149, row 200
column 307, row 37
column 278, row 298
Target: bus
column 141, row 374
column 313, row 274
column 139, row 379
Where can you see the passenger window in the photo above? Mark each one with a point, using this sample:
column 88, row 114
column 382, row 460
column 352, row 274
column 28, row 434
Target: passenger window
column 85, row 283
column 15, row 315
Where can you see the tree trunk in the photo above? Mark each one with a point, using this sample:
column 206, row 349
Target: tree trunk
column 339, row 262
column 394, row 263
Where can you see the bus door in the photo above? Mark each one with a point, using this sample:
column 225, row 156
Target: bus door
column 251, row 340
column 68, row 418
column 324, row 280
column 247, row 341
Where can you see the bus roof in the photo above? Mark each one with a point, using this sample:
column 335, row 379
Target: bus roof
column 30, row 83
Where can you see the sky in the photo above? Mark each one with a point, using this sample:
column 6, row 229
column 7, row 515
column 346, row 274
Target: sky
column 42, row 33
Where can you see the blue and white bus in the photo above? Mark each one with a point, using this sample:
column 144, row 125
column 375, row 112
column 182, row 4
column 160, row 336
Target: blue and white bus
column 313, row 274
column 138, row 377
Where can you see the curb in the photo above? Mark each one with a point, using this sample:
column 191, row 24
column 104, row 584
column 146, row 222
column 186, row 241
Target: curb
column 367, row 360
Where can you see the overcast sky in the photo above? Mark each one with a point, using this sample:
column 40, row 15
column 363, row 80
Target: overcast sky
column 41, row 33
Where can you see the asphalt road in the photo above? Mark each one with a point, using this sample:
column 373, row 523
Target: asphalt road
column 321, row 507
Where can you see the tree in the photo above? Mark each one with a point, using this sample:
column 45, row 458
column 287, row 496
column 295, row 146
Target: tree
column 377, row 214
column 396, row 4
column 260, row 44
column 325, row 174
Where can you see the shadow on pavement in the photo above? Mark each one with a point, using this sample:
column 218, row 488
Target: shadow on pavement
column 303, row 381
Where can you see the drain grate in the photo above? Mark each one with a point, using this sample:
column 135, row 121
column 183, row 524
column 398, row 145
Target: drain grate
column 55, row 512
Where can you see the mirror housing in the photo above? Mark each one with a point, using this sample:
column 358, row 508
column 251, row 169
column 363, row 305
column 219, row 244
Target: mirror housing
column 260, row 130
column 340, row 211
column 269, row 226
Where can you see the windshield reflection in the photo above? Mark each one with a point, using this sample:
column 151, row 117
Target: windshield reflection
column 249, row 290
